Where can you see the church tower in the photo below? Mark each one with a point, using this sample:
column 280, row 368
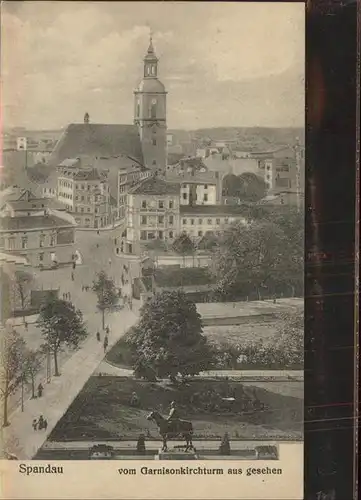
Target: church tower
column 150, row 113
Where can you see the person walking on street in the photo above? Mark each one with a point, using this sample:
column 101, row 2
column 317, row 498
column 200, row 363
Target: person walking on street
column 40, row 390
column 107, row 330
column 45, row 424
column 72, row 276
column 35, row 424
column 98, row 336
column 105, row 344
column 41, row 423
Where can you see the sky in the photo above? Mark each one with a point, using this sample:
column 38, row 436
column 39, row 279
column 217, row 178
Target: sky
column 223, row 64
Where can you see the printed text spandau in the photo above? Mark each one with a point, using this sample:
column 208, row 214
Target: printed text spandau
column 40, row 469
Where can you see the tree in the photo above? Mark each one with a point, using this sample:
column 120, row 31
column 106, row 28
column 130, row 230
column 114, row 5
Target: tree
column 183, row 245
column 60, row 323
column 290, row 336
column 12, row 357
column 22, row 283
column 168, row 339
column 252, row 187
column 255, row 256
column 106, row 292
column 208, row 242
column 32, row 365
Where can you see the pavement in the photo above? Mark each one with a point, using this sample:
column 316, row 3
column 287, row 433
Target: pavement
column 106, row 368
column 238, row 444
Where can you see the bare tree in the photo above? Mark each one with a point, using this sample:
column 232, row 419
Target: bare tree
column 32, row 365
column 22, row 283
column 11, row 365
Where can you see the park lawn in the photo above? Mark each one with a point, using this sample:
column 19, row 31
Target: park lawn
column 102, row 411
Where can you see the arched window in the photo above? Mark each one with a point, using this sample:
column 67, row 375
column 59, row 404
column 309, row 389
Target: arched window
column 153, row 109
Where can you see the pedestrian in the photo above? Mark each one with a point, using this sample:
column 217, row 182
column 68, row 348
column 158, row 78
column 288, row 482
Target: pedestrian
column 40, row 390
column 26, row 325
column 107, row 330
column 82, row 288
column 97, row 245
column 41, row 423
column 110, row 261
column 45, row 424
column 105, row 345
column 74, row 265
column 98, row 232
column 98, row 336
column 63, row 296
column 72, row 276
column 35, row 424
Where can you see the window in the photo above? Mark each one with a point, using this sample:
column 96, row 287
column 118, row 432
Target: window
column 192, row 222
column 76, row 186
column 160, row 204
column 200, row 221
column 206, row 186
column 154, row 142
column 82, row 186
column 24, row 242
column 89, row 199
column 226, row 220
column 171, row 204
column 161, row 219
column 184, row 196
column 171, row 234
column 41, row 257
column 205, row 197
column 153, row 109
column 2, row 242
column 144, row 204
column 200, row 233
column 218, row 221
column 143, row 220
column 96, row 210
column 82, row 210
column 11, row 243
column 151, row 236
column 209, row 222
column 160, row 235
column 143, row 235
column 88, row 187
column 76, row 198
column 171, row 220
column 154, row 162
column 82, row 198
column 52, row 240
column 184, row 221
column 41, row 240
column 88, row 209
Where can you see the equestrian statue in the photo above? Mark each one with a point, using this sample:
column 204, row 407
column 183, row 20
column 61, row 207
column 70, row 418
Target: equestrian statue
column 172, row 427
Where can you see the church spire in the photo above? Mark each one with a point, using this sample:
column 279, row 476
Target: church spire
column 150, row 60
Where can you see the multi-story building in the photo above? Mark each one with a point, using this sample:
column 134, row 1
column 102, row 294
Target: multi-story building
column 198, row 220
column 152, row 214
column 31, row 229
column 85, row 193
column 198, row 188
column 128, row 177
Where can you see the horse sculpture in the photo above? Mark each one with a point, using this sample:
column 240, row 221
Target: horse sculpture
column 169, row 429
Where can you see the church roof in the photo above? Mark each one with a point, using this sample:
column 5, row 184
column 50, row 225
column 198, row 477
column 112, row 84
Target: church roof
column 152, row 85
column 155, row 186
column 95, row 139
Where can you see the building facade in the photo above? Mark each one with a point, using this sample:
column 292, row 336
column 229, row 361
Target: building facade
column 85, row 193
column 32, row 230
column 150, row 114
column 128, row 177
column 152, row 213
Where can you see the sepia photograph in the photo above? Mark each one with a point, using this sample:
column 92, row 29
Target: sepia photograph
column 152, row 234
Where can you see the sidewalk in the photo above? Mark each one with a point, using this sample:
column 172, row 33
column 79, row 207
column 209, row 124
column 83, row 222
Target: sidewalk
column 19, row 438
column 269, row 375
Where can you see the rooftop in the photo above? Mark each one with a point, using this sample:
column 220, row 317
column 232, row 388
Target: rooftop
column 156, row 186
column 95, row 139
column 86, row 174
column 36, row 222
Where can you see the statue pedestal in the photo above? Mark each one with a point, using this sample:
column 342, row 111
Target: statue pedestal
column 176, row 455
